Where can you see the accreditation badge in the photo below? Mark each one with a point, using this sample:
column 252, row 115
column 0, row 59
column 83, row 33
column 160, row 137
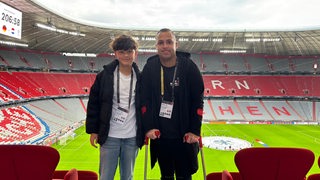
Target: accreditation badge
column 120, row 115
column 166, row 109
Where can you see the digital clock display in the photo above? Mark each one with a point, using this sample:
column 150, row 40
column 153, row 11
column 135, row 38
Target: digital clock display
column 10, row 21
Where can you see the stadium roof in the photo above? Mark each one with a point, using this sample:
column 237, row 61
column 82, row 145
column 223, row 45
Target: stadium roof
column 301, row 42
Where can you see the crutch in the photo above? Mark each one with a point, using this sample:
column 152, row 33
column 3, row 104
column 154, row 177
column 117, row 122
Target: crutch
column 202, row 156
column 202, row 159
column 146, row 143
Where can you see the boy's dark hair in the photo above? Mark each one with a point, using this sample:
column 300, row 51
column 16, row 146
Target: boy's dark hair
column 124, row 42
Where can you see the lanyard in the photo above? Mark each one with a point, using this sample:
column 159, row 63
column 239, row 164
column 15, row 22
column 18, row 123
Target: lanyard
column 172, row 83
column 118, row 87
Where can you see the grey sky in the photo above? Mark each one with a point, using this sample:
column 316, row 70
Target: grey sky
column 192, row 14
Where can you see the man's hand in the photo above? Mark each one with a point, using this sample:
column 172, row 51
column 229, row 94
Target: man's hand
column 153, row 134
column 191, row 138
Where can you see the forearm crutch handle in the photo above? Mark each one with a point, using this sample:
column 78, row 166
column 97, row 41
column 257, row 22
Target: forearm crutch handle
column 146, row 143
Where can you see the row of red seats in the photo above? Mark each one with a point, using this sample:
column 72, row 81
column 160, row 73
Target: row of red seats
column 262, row 85
column 37, row 84
column 272, row 163
column 31, row 84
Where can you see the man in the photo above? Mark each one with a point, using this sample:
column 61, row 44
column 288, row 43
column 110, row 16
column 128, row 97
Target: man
column 172, row 105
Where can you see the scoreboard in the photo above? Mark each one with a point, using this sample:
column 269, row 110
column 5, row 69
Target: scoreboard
column 10, row 21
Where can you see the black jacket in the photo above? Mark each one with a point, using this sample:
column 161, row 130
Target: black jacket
column 191, row 89
column 99, row 108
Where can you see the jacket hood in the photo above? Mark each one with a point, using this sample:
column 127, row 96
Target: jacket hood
column 183, row 54
column 111, row 66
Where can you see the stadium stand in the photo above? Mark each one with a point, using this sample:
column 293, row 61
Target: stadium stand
column 256, row 64
column 238, row 88
column 268, row 85
column 213, row 63
column 142, row 59
column 33, row 59
column 38, row 121
column 12, row 59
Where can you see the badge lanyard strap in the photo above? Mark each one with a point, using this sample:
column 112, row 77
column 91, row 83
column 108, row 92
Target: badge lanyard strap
column 172, row 83
column 118, row 87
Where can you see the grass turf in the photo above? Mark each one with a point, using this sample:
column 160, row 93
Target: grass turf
column 79, row 154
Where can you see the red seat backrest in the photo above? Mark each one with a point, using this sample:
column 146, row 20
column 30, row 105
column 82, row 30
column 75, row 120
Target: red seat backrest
column 28, row 162
column 276, row 163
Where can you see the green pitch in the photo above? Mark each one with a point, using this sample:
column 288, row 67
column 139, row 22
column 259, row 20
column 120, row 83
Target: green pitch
column 79, row 154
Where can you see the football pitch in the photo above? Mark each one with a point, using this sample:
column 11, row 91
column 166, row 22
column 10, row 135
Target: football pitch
column 79, row 154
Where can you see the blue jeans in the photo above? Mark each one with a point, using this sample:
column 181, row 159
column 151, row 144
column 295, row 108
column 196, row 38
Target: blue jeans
column 114, row 151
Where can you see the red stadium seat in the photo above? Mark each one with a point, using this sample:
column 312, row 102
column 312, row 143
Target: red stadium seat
column 28, row 162
column 315, row 176
column 276, row 163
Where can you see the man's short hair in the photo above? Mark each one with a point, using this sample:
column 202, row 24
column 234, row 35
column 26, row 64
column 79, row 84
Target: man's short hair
column 165, row 30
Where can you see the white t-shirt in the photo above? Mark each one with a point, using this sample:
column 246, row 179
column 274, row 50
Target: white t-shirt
column 127, row 129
